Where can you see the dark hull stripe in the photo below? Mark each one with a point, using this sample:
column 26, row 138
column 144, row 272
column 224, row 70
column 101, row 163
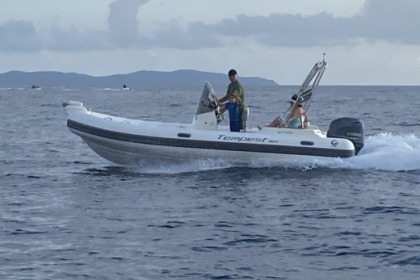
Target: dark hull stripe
column 210, row 145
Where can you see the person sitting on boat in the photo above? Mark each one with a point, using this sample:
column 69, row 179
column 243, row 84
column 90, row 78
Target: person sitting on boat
column 296, row 118
column 235, row 85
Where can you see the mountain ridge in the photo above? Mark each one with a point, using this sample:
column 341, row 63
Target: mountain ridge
column 138, row 79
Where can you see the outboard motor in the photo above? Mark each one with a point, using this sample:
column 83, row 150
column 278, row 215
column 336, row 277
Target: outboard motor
column 349, row 128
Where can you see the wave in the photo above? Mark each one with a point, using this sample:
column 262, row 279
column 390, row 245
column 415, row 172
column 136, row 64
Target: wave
column 194, row 166
column 384, row 152
column 389, row 152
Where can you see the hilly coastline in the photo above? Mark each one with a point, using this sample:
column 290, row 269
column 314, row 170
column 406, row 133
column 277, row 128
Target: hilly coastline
column 140, row 79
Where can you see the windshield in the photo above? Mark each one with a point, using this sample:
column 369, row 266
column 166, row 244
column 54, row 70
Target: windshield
column 204, row 104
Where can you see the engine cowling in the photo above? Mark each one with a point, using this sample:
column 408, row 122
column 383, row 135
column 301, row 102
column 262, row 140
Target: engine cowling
column 348, row 128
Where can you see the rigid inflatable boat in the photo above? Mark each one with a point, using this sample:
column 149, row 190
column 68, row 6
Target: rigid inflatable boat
column 135, row 141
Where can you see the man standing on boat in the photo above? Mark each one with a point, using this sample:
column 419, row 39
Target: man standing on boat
column 236, row 89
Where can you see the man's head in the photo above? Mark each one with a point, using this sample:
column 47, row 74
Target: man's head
column 232, row 75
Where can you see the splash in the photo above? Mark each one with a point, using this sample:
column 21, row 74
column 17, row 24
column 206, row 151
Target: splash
column 388, row 152
column 385, row 152
column 192, row 166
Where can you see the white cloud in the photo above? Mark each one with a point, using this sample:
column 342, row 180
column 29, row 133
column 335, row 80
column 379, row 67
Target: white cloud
column 258, row 38
column 274, row 30
column 91, row 14
column 123, row 22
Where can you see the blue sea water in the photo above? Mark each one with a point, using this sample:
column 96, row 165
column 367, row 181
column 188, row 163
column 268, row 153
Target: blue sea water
column 66, row 213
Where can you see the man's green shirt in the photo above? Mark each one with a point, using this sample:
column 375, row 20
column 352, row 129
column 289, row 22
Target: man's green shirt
column 237, row 86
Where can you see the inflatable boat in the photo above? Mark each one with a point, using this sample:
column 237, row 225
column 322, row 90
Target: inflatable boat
column 135, row 141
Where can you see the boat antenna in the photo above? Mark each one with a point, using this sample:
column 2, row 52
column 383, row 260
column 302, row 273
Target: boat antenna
column 323, row 57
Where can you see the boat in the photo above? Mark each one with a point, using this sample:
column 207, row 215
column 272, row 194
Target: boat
column 125, row 87
column 134, row 141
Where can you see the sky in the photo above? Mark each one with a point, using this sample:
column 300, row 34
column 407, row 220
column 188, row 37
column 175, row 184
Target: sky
column 367, row 42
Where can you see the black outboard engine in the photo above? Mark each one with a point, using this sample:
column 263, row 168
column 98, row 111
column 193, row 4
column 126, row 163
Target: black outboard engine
column 349, row 128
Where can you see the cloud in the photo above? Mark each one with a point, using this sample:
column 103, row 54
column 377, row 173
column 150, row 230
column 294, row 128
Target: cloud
column 73, row 39
column 123, row 22
column 392, row 21
column 385, row 20
column 286, row 30
column 381, row 20
column 19, row 36
column 173, row 35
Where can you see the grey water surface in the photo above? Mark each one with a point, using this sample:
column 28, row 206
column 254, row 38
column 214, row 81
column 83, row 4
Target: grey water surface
column 66, row 213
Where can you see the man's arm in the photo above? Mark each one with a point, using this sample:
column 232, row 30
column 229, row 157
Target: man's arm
column 224, row 98
column 237, row 96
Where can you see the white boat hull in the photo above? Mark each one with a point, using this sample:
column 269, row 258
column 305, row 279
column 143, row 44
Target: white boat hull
column 129, row 141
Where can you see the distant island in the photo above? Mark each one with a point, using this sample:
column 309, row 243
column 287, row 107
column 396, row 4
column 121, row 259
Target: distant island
column 141, row 79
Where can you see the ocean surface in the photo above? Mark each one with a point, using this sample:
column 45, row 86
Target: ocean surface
column 66, row 213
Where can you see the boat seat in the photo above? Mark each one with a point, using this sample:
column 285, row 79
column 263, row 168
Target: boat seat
column 244, row 117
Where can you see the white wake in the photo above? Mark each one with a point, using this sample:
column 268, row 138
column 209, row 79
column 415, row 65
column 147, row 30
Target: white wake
column 385, row 151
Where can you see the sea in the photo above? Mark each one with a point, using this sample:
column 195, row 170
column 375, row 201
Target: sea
column 66, row 213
